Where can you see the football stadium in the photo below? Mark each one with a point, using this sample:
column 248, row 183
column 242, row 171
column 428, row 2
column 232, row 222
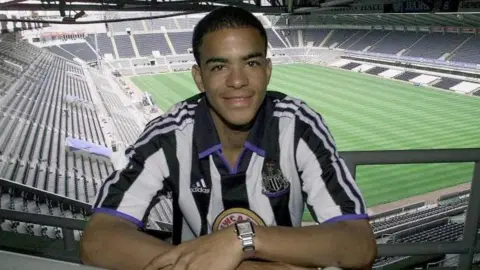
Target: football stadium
column 397, row 82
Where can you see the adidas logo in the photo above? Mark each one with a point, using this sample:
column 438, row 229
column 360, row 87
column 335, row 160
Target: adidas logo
column 200, row 187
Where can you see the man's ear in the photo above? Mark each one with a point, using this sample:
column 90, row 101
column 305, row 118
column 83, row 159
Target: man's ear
column 197, row 77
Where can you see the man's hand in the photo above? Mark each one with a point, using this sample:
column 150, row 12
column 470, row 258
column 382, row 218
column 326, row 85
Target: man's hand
column 220, row 251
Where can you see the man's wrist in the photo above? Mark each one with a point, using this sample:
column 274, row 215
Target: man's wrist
column 245, row 232
column 236, row 244
column 259, row 233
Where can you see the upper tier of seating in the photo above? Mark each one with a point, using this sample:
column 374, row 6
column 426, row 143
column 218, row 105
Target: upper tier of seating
column 434, row 45
column 468, row 52
column 101, row 43
column 181, row 41
column 147, row 43
column 81, row 50
column 446, row 46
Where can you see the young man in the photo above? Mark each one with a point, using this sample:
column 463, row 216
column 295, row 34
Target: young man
column 241, row 163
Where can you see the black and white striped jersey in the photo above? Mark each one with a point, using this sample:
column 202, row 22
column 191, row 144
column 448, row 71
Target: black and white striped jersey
column 289, row 161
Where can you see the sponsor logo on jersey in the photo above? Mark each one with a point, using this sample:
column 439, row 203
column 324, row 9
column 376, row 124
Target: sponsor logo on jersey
column 230, row 216
column 200, row 187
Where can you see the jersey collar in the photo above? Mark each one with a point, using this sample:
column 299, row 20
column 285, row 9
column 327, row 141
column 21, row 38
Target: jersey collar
column 206, row 138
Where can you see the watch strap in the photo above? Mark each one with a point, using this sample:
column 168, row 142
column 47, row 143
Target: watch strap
column 247, row 240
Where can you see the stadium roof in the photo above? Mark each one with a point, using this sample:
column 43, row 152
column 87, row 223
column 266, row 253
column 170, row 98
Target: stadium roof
column 395, row 19
column 432, row 13
column 140, row 5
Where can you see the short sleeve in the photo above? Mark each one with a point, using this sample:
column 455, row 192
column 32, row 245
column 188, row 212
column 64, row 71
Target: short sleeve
column 129, row 193
column 330, row 192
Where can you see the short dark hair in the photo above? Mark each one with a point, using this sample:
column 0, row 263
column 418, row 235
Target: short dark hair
column 221, row 18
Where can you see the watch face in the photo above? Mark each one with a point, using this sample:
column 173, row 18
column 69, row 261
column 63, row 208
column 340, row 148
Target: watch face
column 244, row 227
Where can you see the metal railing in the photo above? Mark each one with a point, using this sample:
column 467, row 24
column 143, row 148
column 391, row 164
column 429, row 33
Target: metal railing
column 466, row 247
column 12, row 260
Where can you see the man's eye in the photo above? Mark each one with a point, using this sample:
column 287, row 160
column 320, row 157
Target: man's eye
column 253, row 63
column 217, row 68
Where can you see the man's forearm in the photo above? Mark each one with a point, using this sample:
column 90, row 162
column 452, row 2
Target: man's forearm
column 120, row 248
column 343, row 244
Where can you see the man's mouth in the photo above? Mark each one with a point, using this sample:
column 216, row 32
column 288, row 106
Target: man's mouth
column 239, row 102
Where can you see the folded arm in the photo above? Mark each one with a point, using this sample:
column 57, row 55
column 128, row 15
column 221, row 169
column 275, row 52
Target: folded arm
column 344, row 237
column 114, row 243
column 345, row 244
column 112, row 237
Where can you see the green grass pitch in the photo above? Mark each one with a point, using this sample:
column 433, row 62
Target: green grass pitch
column 368, row 113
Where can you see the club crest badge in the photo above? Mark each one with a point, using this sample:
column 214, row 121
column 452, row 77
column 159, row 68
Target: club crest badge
column 274, row 184
column 230, row 216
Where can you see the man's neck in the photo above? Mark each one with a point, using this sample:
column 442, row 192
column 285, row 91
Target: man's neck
column 232, row 139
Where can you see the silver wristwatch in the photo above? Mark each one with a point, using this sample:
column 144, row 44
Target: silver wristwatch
column 246, row 233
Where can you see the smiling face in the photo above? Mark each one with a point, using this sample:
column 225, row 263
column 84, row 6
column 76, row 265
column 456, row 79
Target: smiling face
column 234, row 73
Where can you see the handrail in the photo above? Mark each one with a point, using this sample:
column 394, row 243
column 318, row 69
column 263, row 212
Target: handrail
column 45, row 194
column 468, row 246
column 11, row 260
column 54, row 221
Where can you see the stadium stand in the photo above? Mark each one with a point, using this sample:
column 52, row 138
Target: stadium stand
column 395, row 218
column 407, row 76
column 81, row 50
column 316, row 36
column 157, row 24
column 447, row 83
column 396, row 41
column 47, row 115
column 186, row 23
column 121, row 27
column 22, row 199
column 46, row 127
column 34, row 156
column 128, row 129
column 437, row 231
column 274, row 40
column 124, row 46
column 337, row 37
column 468, row 52
column 434, row 45
column 367, row 40
column 60, row 52
column 181, row 41
column 104, row 42
column 443, row 233
column 291, row 36
column 356, row 37
column 403, row 44
column 147, row 43
column 376, row 70
column 350, row 66
column 453, row 197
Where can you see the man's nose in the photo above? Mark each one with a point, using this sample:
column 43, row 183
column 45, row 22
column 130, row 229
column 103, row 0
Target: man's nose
column 237, row 78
